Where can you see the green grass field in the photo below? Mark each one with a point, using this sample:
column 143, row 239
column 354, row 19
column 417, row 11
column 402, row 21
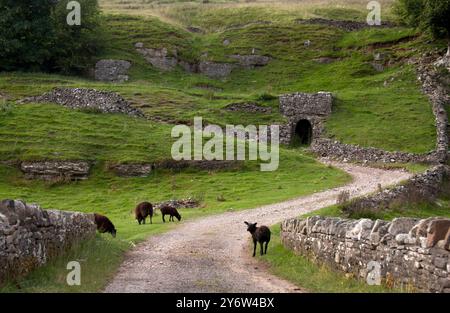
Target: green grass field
column 108, row 194
column 369, row 112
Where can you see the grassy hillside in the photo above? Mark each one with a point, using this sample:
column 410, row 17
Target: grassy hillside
column 381, row 109
column 108, row 194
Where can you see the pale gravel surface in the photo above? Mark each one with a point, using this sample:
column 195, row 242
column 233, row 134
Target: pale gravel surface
column 211, row 254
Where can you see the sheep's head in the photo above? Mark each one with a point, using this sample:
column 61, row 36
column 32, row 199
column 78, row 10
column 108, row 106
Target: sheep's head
column 113, row 232
column 178, row 216
column 251, row 227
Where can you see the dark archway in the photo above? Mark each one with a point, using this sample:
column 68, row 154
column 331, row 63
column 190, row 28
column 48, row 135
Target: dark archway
column 303, row 132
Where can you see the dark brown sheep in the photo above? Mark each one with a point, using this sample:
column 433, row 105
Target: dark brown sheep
column 143, row 210
column 259, row 234
column 169, row 210
column 104, row 225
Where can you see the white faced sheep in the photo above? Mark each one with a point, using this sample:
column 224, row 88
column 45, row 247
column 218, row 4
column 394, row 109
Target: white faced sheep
column 259, row 234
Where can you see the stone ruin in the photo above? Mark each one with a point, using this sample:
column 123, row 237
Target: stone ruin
column 55, row 170
column 306, row 114
column 165, row 60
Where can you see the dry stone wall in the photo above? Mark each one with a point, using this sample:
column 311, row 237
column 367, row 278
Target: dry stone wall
column 333, row 149
column 31, row 236
column 411, row 253
column 421, row 187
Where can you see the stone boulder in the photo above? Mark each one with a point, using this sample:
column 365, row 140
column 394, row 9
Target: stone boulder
column 158, row 57
column 112, row 70
column 437, row 230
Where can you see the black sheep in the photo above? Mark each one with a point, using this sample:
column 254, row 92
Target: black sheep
column 259, row 234
column 104, row 225
column 143, row 210
column 169, row 210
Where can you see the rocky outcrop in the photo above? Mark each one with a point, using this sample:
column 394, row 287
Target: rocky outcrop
column 410, row 253
column 31, row 236
column 159, row 58
column 421, row 187
column 87, row 99
column 56, row 170
column 112, row 70
column 164, row 60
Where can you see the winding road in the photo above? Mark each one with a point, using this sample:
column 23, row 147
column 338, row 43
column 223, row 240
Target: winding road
column 211, row 254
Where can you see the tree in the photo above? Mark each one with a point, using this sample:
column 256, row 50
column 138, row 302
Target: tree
column 35, row 35
column 432, row 16
column 76, row 44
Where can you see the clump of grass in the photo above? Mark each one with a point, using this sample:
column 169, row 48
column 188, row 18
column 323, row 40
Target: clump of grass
column 343, row 197
column 6, row 108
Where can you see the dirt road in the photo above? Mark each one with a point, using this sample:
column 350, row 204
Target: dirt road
column 210, row 254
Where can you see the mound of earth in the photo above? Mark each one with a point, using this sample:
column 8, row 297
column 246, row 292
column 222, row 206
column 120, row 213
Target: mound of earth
column 342, row 24
column 250, row 107
column 87, row 99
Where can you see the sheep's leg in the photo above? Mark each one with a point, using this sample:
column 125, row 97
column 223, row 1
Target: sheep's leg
column 163, row 218
column 265, row 252
column 261, row 245
column 254, row 247
column 151, row 222
column 143, row 221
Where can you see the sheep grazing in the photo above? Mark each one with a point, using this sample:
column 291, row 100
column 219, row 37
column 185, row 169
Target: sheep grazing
column 143, row 210
column 104, row 225
column 259, row 234
column 169, row 210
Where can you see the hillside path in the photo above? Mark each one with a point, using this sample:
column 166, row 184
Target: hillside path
column 211, row 254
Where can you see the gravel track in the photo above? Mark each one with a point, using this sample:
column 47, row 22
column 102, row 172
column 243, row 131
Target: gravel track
column 211, row 254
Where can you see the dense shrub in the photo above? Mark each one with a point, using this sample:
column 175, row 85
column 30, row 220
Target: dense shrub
column 429, row 15
column 35, row 36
